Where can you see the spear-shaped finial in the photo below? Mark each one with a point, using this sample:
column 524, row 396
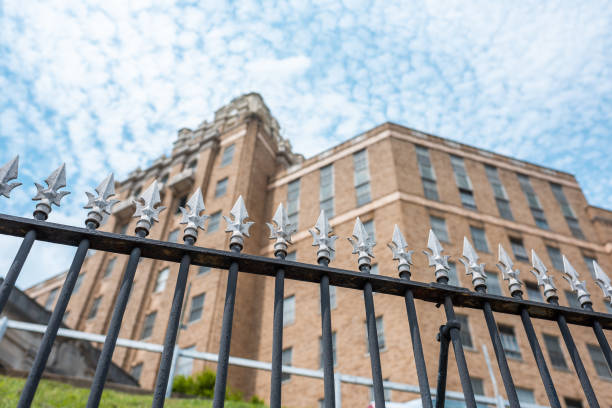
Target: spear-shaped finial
column 281, row 230
column 362, row 245
column 101, row 204
column 148, row 208
column 603, row 281
column 505, row 265
column 192, row 217
column 238, row 227
column 9, row 172
column 472, row 267
column 578, row 287
column 540, row 272
column 51, row 195
column 323, row 237
column 398, row 246
column 435, row 257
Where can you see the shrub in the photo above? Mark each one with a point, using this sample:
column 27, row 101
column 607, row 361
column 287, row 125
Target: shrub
column 203, row 385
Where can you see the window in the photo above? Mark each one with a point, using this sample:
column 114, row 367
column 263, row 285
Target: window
column 94, row 307
column 184, row 365
column 554, row 351
column 78, row 283
column 518, row 249
column 147, row 327
column 386, row 392
column 51, row 298
column 362, row 177
column 333, row 350
column 438, row 225
column 286, row 358
column 164, row 179
column 162, row 278
column 599, row 361
column 332, row 298
column 197, row 305
column 572, row 403
column 193, row 164
column 508, row 341
column 555, row 257
column 533, row 202
column 525, row 396
column 173, row 235
column 479, row 239
column 203, row 270
column 65, row 317
column 214, row 221
column 466, row 337
column 608, row 307
column 566, row 209
column 182, row 202
column 288, row 310
column 109, row 267
column 136, row 371
column 477, row 386
column 533, row 292
column 572, row 299
column 499, row 192
column 326, row 192
column 380, row 331
column 124, row 228
column 453, row 279
column 137, row 191
column 291, row 256
column 493, row 286
column 228, row 155
column 369, row 227
column 428, row 176
column 588, row 260
column 463, row 183
column 221, row 187
column 374, row 270
column 293, row 202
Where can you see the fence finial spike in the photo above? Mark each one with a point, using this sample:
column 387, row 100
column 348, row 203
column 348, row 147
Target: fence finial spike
column 472, row 267
column 101, row 204
column 238, row 227
column 577, row 286
column 505, row 266
column 398, row 248
column 281, row 230
column 544, row 280
column 323, row 237
column 148, row 207
column 9, row 172
column 603, row 281
column 363, row 244
column 193, row 216
column 435, row 257
column 51, row 194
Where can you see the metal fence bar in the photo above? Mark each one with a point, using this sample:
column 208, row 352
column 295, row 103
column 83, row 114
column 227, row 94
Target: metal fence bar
column 549, row 387
column 326, row 340
column 601, row 338
column 15, row 269
column 443, row 338
column 106, row 355
column 165, row 366
column 277, row 336
column 379, row 392
column 42, row 355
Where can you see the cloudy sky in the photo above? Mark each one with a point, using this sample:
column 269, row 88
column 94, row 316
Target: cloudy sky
column 105, row 86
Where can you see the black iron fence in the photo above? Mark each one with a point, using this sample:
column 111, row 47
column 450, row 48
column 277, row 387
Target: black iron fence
column 439, row 293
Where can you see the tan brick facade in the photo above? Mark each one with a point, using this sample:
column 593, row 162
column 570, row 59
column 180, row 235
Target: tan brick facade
column 261, row 168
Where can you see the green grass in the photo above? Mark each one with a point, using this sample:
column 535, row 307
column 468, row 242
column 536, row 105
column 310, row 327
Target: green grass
column 56, row 394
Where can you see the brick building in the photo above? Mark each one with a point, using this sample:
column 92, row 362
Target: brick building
column 390, row 174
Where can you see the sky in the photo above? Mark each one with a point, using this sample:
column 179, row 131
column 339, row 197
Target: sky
column 104, row 86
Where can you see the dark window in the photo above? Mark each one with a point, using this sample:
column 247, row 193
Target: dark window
column 572, row 299
column 533, row 201
column 533, row 292
column 453, row 278
column 197, row 306
column 380, row 331
column 508, row 340
column 293, row 202
column 333, row 350
column 554, row 351
column 136, row 371
column 467, row 199
column 520, row 254
column 147, row 327
column 193, row 164
column 567, row 211
column 173, row 235
column 525, row 396
column 164, row 178
column 221, row 187
column 572, row 403
column 555, row 257
column 162, row 278
column 501, row 198
column 137, row 191
column 203, row 270
column 291, row 256
column 228, row 155
column 94, row 307
column 588, row 260
column 79, row 282
column 493, row 285
column 477, row 386
column 286, row 357
column 51, row 298
column 438, row 225
column 479, row 239
column 362, row 177
column 214, row 221
column 428, row 176
column 109, row 267
column 466, row 337
column 181, row 203
column 288, row 310
column 599, row 361
column 326, row 193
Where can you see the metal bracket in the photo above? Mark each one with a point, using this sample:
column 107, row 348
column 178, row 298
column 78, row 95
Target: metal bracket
column 444, row 338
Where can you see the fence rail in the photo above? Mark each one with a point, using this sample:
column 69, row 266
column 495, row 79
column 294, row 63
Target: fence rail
column 440, row 293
